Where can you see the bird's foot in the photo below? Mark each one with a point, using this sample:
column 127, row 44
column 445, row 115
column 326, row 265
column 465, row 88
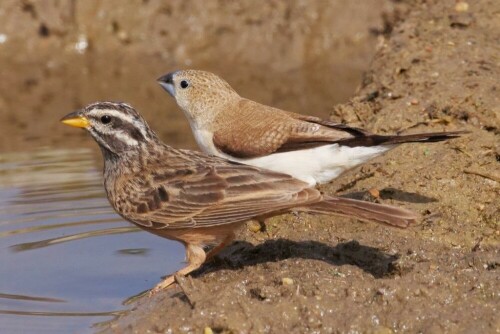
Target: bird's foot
column 165, row 284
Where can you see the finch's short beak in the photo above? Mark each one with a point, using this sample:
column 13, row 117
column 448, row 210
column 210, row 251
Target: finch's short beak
column 167, row 83
column 75, row 119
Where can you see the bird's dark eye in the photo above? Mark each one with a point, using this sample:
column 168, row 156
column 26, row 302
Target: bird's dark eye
column 184, row 84
column 105, row 119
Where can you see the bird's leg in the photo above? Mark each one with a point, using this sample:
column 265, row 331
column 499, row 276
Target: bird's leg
column 195, row 257
column 262, row 223
column 227, row 240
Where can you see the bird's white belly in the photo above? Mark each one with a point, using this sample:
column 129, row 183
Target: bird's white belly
column 314, row 165
column 317, row 165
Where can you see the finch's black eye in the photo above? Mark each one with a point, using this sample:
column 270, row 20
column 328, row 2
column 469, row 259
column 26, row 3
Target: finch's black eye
column 105, row 119
column 184, row 84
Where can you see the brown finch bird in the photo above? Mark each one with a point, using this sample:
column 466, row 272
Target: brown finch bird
column 194, row 198
column 308, row 148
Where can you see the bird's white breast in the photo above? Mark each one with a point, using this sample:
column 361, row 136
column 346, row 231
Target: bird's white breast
column 204, row 139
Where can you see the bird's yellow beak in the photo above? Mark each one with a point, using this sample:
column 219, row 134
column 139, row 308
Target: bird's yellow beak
column 76, row 120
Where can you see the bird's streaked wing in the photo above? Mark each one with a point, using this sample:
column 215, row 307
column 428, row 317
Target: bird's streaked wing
column 216, row 194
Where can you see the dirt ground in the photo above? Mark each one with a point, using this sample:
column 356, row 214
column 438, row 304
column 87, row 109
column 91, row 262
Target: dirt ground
column 436, row 68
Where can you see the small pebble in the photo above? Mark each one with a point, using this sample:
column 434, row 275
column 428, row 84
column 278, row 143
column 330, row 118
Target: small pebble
column 374, row 192
column 286, row 281
column 462, row 6
column 383, row 330
column 82, row 44
column 254, row 226
column 124, row 37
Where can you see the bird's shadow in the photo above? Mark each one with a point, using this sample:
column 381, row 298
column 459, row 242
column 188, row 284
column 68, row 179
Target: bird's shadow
column 241, row 254
column 393, row 193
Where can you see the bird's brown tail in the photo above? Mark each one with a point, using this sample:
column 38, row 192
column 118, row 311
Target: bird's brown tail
column 367, row 211
column 373, row 140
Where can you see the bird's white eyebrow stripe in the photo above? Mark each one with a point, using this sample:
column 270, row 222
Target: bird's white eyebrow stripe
column 111, row 112
column 120, row 114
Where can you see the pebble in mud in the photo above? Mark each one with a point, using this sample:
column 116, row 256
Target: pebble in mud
column 383, row 330
column 462, row 6
column 254, row 226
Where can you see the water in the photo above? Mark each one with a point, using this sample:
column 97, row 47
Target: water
column 67, row 261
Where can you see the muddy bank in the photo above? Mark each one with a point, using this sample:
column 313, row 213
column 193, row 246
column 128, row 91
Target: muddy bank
column 436, row 69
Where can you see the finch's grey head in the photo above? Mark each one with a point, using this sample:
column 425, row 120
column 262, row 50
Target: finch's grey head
column 197, row 92
column 116, row 127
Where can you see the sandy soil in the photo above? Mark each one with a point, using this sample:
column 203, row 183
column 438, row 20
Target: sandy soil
column 436, row 68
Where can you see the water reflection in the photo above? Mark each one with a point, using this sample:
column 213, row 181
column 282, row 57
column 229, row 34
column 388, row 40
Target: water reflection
column 50, row 242
column 67, row 260
column 32, row 298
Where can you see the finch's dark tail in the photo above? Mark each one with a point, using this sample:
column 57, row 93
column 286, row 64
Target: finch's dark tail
column 373, row 140
column 363, row 210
